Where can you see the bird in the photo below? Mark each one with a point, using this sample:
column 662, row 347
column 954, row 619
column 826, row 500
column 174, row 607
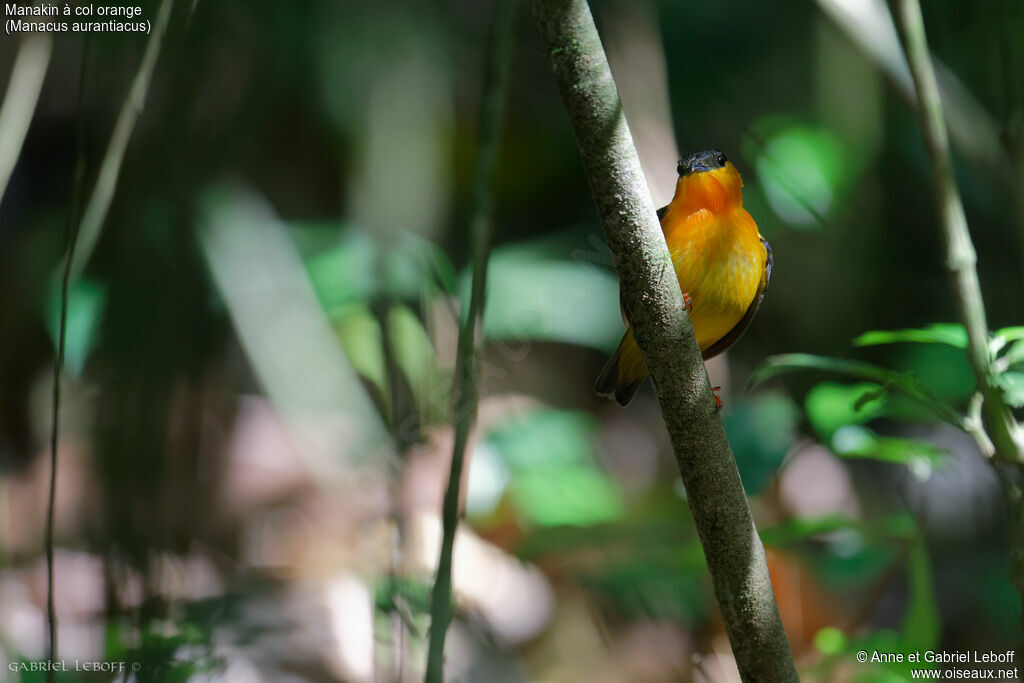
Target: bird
column 723, row 264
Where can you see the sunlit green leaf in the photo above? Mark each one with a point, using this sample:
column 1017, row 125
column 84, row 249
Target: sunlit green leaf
column 533, row 296
column 554, row 475
column 86, row 300
column 829, row 406
column 1012, row 385
column 801, row 528
column 889, row 528
column 939, row 333
column 908, row 384
column 413, row 594
column 1014, row 355
column 859, row 442
column 543, row 438
column 416, row 360
column 800, row 169
column 1005, row 335
column 355, row 267
column 830, row 641
column 414, row 264
column 362, row 340
column 942, row 369
column 571, row 494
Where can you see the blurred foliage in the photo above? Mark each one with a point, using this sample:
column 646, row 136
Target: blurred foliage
column 354, row 122
column 554, row 478
column 761, row 431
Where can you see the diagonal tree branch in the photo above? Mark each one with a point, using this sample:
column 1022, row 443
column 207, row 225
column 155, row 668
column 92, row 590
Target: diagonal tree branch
column 464, row 395
column 654, row 302
column 999, row 423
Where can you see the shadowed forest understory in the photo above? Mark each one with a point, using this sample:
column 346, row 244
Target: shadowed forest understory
column 246, row 243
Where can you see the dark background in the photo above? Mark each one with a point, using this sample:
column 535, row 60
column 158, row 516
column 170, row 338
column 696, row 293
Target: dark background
column 292, row 205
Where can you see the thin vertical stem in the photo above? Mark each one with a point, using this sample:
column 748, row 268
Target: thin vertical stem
column 997, row 425
column 71, row 238
column 961, row 259
column 464, row 396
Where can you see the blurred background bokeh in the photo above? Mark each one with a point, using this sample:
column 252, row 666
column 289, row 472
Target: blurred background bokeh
column 255, row 428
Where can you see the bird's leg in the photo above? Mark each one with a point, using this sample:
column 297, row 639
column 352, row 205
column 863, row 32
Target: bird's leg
column 687, row 302
column 718, row 400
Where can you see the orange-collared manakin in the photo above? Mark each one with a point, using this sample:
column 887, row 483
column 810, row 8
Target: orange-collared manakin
column 722, row 262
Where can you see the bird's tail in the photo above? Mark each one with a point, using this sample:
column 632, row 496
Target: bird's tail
column 623, row 373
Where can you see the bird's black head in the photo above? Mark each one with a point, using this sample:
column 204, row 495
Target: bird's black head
column 698, row 162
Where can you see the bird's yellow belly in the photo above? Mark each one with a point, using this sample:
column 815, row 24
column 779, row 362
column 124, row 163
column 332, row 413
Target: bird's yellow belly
column 721, row 271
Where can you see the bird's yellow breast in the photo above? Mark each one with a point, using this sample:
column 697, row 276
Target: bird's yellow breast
column 719, row 260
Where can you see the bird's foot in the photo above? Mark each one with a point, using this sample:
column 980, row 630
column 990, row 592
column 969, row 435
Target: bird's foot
column 718, row 399
column 687, row 302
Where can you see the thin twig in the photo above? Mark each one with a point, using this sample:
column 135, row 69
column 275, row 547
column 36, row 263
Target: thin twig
column 464, row 396
column 71, row 238
column 997, row 432
column 961, row 259
column 81, row 238
column 664, row 332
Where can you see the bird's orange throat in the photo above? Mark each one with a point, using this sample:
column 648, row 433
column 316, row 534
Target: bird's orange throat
column 717, row 191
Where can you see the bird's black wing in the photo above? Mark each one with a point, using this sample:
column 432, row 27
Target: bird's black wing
column 733, row 335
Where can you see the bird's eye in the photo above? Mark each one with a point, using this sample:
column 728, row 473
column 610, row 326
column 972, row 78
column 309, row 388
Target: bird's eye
column 721, row 159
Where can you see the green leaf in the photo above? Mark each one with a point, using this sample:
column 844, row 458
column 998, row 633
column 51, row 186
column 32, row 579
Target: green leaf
column 361, row 338
column 802, row 171
column 415, row 593
column 830, row 641
column 86, row 300
column 1012, row 385
column 345, row 273
column 859, row 442
column 531, row 295
column 830, row 406
column 943, row 370
column 893, row 527
column 545, row 438
column 554, row 476
column 952, row 334
column 1014, row 355
column 908, row 384
column 1005, row 335
column 356, row 267
column 802, row 528
column 571, row 494
column 416, row 360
